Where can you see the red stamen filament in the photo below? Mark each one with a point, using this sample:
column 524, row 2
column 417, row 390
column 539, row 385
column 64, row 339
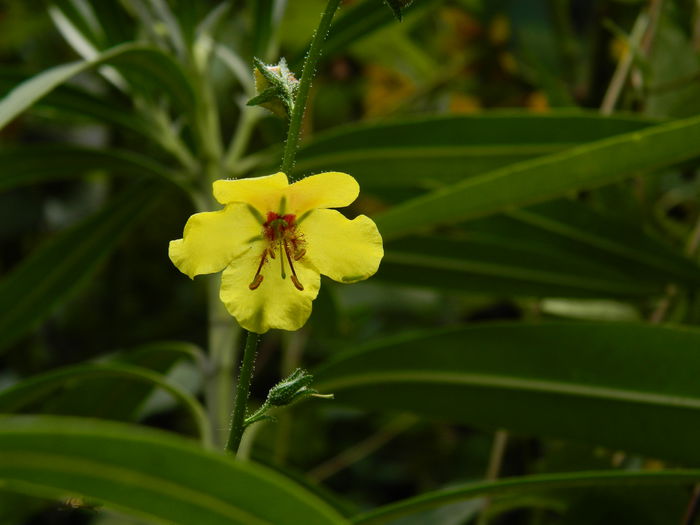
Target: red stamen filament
column 294, row 277
column 258, row 279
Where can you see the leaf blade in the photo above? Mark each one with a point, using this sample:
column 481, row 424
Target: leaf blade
column 538, row 180
column 149, row 473
column 621, row 385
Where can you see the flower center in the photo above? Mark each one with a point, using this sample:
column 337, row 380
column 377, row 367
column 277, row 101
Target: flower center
column 282, row 237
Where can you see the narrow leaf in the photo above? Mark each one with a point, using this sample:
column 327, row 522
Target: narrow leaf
column 23, row 165
column 525, row 484
column 557, row 249
column 150, row 474
column 431, row 152
column 39, row 386
column 582, row 167
column 625, row 386
column 150, row 64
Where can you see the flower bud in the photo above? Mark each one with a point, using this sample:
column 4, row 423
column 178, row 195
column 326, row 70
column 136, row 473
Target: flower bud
column 276, row 87
column 291, row 389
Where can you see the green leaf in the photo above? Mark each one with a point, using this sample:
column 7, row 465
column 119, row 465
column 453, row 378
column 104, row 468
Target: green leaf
column 23, row 165
column 149, row 474
column 624, row 386
column 150, row 66
column 556, row 249
column 39, row 386
column 115, row 398
column 430, row 152
column 50, row 274
column 358, row 22
column 525, row 484
column 582, row 167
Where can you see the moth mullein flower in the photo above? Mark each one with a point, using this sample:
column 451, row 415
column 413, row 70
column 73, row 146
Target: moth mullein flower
column 273, row 240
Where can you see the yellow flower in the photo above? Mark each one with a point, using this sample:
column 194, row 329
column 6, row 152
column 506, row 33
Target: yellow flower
column 273, row 239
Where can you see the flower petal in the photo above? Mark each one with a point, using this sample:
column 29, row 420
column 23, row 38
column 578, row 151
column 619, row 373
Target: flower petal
column 344, row 250
column 213, row 239
column 276, row 303
column 264, row 193
column 325, row 190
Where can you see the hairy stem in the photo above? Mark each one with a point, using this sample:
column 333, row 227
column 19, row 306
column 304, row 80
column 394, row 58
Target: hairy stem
column 307, row 73
column 242, row 392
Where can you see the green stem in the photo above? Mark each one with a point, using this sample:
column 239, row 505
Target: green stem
column 307, row 73
column 242, row 392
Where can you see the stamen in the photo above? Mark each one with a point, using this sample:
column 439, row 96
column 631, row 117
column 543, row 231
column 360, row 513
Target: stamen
column 297, row 284
column 256, row 282
column 299, row 254
column 294, row 277
column 258, row 279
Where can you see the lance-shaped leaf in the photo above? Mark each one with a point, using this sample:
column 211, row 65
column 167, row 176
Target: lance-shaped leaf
column 625, row 386
column 561, row 248
column 431, row 152
column 150, row 474
column 545, row 178
column 23, row 165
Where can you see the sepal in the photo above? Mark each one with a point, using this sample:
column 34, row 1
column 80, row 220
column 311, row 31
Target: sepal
column 276, row 87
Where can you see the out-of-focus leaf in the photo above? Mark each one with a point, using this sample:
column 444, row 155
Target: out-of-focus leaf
column 153, row 69
column 430, row 152
column 73, row 101
column 358, row 22
column 537, row 180
column 38, row 386
column 525, row 484
column 50, row 274
column 25, row 165
column 625, row 386
column 150, row 474
column 261, row 26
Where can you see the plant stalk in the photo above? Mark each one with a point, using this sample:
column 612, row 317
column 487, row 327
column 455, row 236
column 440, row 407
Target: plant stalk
column 307, row 73
column 242, row 392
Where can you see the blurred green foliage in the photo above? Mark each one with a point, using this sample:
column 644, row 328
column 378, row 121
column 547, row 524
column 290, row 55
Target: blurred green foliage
column 534, row 166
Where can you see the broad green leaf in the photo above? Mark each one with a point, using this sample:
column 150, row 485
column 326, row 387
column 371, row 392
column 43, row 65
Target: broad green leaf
column 556, row 249
column 525, row 484
column 625, row 386
column 430, row 152
column 149, row 474
column 37, row 387
column 23, row 165
column 537, row 180
column 49, row 275
column 152, row 67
